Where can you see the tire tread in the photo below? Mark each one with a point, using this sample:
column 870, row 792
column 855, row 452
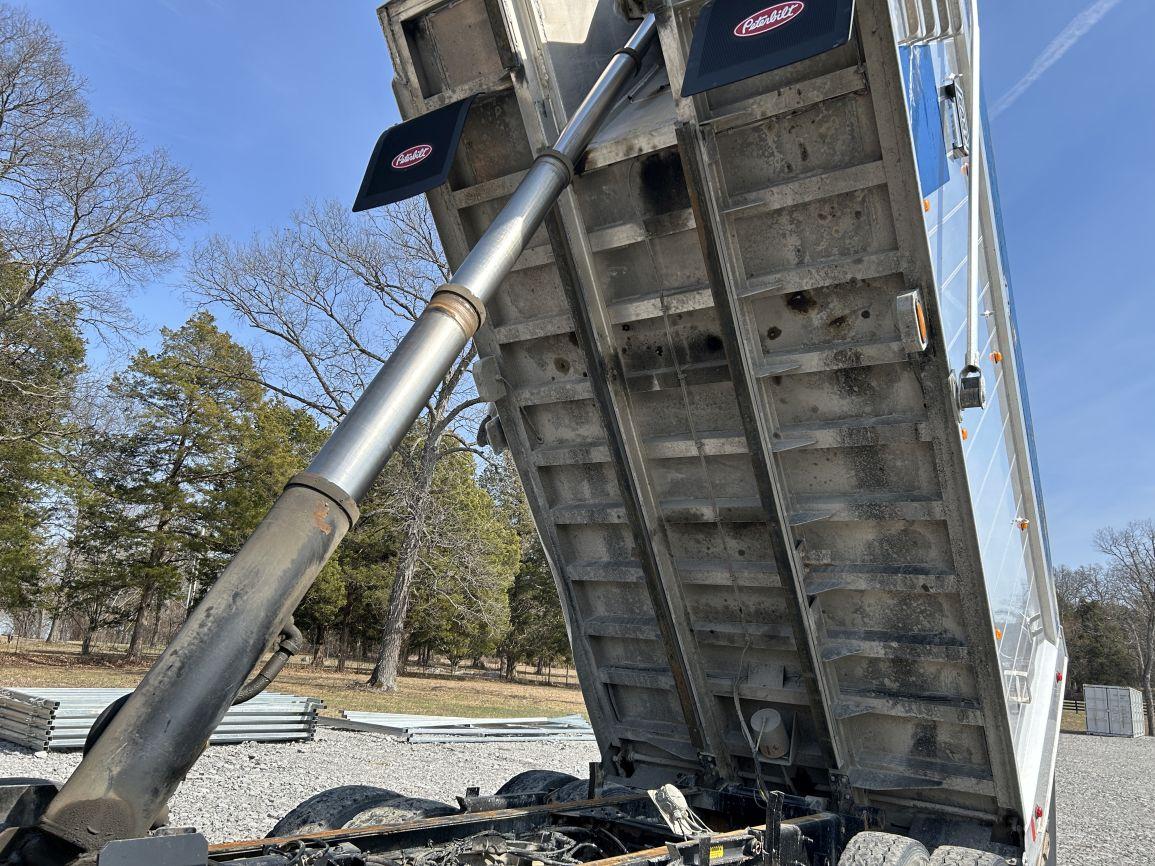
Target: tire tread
column 951, row 855
column 883, row 849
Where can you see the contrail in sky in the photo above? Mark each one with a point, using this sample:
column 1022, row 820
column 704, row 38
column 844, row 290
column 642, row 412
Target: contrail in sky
column 1054, row 52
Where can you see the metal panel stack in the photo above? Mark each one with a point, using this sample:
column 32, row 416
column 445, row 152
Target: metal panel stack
column 459, row 729
column 60, row 719
column 1114, row 711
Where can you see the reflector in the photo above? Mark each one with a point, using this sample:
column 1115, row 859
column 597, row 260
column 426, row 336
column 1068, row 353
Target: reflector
column 737, row 39
column 413, row 157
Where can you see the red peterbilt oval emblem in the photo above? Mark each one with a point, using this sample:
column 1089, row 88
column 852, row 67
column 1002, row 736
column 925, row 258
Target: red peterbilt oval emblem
column 769, row 19
column 411, row 156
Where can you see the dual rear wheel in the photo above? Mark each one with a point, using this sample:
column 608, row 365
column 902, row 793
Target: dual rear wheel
column 356, row 806
column 352, row 806
column 888, row 849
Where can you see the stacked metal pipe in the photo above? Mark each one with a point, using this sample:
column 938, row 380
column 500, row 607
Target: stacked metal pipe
column 59, row 719
column 457, row 729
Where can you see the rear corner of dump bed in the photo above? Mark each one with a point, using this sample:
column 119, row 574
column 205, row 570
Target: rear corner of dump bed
column 755, row 497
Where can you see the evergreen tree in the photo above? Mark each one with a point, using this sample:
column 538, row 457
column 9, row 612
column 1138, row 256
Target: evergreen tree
column 41, row 358
column 460, row 603
column 189, row 409
column 537, row 629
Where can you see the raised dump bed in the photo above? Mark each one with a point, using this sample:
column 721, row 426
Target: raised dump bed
column 727, row 371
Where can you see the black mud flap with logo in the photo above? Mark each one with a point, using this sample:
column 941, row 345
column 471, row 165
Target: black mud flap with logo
column 413, row 157
column 737, row 39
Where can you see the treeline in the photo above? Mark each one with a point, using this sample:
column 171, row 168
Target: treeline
column 1108, row 612
column 123, row 495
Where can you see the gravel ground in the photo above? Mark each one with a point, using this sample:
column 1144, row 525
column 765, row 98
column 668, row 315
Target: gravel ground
column 1106, row 800
column 240, row 792
column 1106, row 786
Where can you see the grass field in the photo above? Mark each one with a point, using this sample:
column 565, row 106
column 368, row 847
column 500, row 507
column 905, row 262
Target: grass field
column 1074, row 722
column 62, row 666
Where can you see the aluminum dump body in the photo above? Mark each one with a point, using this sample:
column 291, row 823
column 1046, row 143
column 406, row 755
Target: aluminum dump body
column 753, row 483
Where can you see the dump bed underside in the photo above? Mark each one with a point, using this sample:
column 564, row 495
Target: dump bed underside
column 752, row 493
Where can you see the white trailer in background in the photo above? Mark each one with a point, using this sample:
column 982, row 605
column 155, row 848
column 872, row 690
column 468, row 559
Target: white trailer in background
column 1115, row 711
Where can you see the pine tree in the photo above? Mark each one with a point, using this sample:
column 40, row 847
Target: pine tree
column 41, row 358
column 460, row 600
column 189, row 409
column 537, row 627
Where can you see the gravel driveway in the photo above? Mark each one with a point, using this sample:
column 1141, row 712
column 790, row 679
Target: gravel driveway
column 1106, row 800
column 240, row 792
column 1106, row 786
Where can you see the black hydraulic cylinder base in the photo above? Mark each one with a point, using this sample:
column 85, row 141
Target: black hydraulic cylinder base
column 123, row 784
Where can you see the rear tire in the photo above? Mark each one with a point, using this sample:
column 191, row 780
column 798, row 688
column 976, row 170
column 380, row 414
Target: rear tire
column 883, row 849
column 579, row 789
column 949, row 855
column 355, row 806
column 398, row 810
column 534, row 782
column 329, row 809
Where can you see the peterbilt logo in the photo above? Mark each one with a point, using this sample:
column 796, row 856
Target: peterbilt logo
column 412, row 155
column 769, row 19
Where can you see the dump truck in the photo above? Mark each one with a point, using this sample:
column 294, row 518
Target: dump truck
column 736, row 280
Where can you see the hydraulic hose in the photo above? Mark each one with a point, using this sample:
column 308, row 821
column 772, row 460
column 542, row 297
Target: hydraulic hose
column 289, row 646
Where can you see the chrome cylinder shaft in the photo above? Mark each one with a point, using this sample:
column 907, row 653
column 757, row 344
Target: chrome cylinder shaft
column 974, row 116
column 359, row 448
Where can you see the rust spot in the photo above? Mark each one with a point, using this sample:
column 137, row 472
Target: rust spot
column 663, row 184
column 801, row 302
column 321, row 518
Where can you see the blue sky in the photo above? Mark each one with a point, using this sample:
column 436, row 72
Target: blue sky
column 270, row 103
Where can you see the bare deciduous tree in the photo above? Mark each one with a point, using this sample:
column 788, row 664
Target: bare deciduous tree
column 1130, row 577
column 1081, row 583
column 80, row 200
column 85, row 212
column 335, row 294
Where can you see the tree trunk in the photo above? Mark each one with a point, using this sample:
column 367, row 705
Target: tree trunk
column 52, row 628
column 343, row 647
column 318, row 648
column 154, row 635
column 136, row 642
column 388, row 664
column 1148, row 692
column 86, row 641
column 389, row 654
